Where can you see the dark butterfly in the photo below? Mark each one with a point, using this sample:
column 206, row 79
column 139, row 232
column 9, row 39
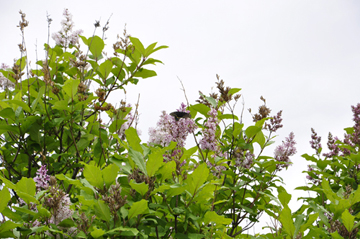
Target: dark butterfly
column 178, row 115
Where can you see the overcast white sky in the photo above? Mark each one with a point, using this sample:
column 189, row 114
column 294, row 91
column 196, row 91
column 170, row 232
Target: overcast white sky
column 302, row 56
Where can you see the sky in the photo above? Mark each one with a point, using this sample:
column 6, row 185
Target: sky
column 302, row 56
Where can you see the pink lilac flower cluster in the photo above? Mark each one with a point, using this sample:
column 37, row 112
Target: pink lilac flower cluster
column 42, row 178
column 168, row 129
column 333, row 147
column 315, row 141
column 5, row 83
column 275, row 122
column 244, row 160
column 63, row 211
column 355, row 137
column 66, row 35
column 284, row 151
column 352, row 139
column 209, row 140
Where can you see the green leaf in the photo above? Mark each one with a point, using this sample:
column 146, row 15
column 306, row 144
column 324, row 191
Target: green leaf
column 211, row 100
column 187, row 154
column 26, row 185
column 115, row 231
column 96, row 45
column 24, row 210
column 138, row 159
column 8, row 113
column 158, row 48
column 70, row 87
column 38, row 97
column 93, row 175
column 283, row 196
column 4, row 128
column 20, row 104
column 298, row 222
column 329, row 193
column 309, row 222
column 237, row 129
column 109, row 174
column 251, row 131
column 8, row 183
column 137, row 208
column 174, row 190
column 116, row 125
column 102, row 210
column 138, row 45
column 202, row 109
column 96, row 233
column 133, row 139
column 141, row 188
column 167, row 170
column 260, row 139
column 145, row 73
column 149, row 49
column 75, row 182
column 105, row 69
column 197, row 178
column 5, row 197
column 155, row 161
column 84, row 39
column 336, row 235
column 13, row 216
column 61, row 105
column 227, row 116
column 9, row 225
column 286, row 221
column 211, row 216
column 152, row 61
column 21, row 62
column 355, row 196
column 233, row 91
column 348, row 220
column 27, row 197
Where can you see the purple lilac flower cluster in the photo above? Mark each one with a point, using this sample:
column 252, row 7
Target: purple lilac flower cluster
column 355, row 137
column 275, row 122
column 66, row 35
column 352, row 139
column 244, row 160
column 334, row 148
column 284, row 151
column 62, row 210
column 209, row 140
column 42, row 178
column 168, row 129
column 315, row 141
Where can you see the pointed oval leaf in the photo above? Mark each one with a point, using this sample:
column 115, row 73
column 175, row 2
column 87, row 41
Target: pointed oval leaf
column 138, row 208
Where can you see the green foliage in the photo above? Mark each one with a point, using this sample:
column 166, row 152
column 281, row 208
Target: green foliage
column 106, row 183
